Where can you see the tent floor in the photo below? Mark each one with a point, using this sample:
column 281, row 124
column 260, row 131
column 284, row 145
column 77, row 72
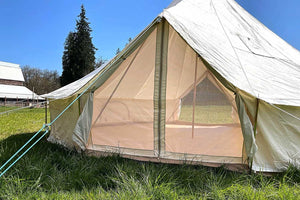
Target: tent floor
column 231, row 166
column 216, row 140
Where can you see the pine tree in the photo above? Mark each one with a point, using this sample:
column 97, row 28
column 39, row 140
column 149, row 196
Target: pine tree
column 68, row 59
column 79, row 53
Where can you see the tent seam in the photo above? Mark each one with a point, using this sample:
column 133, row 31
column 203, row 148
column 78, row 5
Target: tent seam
column 212, row 3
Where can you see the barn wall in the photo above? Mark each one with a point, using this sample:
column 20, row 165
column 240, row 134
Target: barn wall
column 11, row 82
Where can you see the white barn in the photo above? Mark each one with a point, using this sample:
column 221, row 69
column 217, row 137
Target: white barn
column 12, row 83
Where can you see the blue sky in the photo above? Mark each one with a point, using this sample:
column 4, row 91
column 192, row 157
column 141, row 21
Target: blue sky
column 33, row 31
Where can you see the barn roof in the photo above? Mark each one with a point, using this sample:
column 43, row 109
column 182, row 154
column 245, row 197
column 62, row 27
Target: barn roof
column 11, row 71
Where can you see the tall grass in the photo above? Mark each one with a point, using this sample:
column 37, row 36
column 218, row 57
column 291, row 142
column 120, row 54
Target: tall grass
column 50, row 171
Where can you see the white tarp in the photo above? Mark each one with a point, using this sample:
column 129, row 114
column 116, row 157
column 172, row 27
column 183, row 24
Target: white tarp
column 240, row 48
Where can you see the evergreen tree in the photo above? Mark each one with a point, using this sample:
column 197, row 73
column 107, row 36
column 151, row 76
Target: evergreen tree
column 68, row 74
column 79, row 53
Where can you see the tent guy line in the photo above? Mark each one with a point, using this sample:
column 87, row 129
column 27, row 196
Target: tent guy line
column 47, row 126
column 160, row 102
column 18, row 158
column 169, row 92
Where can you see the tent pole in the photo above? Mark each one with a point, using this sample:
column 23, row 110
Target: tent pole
column 194, row 98
column 159, row 97
column 46, row 102
column 254, row 128
column 79, row 110
column 256, row 115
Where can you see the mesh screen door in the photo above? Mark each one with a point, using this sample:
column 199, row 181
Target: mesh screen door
column 123, row 106
column 201, row 117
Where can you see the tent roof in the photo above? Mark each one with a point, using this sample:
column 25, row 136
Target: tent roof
column 16, row 91
column 10, row 71
column 239, row 47
column 235, row 44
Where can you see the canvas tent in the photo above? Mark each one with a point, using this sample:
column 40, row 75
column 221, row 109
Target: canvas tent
column 204, row 82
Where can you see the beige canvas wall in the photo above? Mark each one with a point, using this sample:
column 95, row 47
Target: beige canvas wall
column 123, row 105
column 62, row 128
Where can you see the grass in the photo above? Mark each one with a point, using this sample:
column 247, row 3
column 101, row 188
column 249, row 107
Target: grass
column 23, row 121
column 50, row 171
column 207, row 114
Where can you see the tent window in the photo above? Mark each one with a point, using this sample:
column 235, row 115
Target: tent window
column 211, row 105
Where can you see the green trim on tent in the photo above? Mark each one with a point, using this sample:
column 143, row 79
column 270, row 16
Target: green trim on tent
column 160, row 80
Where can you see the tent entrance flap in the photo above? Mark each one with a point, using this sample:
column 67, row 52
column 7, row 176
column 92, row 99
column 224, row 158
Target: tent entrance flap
column 163, row 102
column 201, row 114
column 123, row 104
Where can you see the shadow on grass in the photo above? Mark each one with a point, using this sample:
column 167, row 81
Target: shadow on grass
column 53, row 168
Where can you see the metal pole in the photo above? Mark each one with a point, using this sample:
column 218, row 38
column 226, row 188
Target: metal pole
column 32, row 96
column 46, row 104
column 194, row 96
column 254, row 129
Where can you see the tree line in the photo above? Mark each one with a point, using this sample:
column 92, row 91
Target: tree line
column 77, row 61
column 41, row 81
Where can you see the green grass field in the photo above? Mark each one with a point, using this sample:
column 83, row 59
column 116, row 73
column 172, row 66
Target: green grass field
column 23, row 121
column 50, row 171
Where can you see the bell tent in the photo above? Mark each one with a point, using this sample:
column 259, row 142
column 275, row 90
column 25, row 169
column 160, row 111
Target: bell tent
column 205, row 82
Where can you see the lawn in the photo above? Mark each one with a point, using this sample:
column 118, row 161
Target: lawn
column 22, row 121
column 50, row 171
